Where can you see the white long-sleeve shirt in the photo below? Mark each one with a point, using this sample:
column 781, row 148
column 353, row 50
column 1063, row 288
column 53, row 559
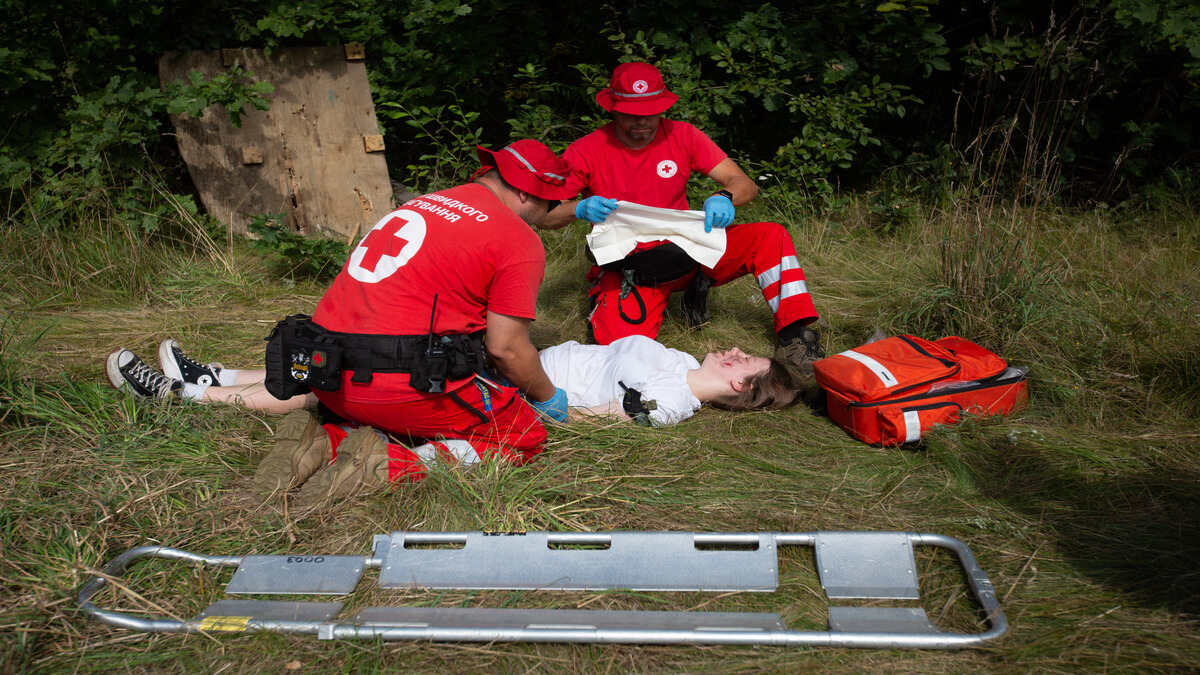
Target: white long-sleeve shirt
column 590, row 375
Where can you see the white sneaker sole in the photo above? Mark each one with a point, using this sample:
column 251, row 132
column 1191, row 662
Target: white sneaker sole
column 111, row 367
column 166, row 360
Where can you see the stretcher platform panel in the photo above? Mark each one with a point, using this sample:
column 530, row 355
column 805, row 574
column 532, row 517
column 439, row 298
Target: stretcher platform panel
column 297, row 574
column 563, row 561
column 879, row 620
column 867, row 565
column 273, row 610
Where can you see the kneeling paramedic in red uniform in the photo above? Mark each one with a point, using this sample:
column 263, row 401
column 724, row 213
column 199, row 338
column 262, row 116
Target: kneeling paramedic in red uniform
column 436, row 288
column 644, row 158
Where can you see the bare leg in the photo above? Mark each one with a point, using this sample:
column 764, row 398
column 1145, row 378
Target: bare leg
column 249, row 392
column 250, row 376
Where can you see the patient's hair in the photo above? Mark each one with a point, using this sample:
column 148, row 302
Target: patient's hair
column 772, row 389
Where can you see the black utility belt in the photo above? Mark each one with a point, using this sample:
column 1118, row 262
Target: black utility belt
column 653, row 266
column 303, row 355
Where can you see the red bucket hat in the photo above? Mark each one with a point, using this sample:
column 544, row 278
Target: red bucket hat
column 636, row 89
column 530, row 167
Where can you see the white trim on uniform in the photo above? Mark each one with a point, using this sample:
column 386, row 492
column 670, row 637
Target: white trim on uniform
column 788, row 262
column 460, row 449
column 786, row 291
column 793, row 288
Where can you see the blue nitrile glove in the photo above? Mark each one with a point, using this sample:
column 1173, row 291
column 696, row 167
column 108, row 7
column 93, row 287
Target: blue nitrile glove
column 595, row 209
column 555, row 407
column 718, row 212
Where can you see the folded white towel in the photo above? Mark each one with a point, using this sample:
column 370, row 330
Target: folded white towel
column 632, row 223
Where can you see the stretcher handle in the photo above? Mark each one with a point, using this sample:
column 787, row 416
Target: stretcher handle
column 117, row 567
column 977, row 579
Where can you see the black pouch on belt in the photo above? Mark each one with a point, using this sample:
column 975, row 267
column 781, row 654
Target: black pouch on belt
column 300, row 356
column 429, row 373
column 445, row 358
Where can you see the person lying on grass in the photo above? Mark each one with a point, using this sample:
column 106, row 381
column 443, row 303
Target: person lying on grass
column 632, row 378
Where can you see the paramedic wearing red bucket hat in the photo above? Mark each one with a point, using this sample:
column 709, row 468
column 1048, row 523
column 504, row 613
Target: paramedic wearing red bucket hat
column 645, row 158
column 456, row 263
column 636, row 89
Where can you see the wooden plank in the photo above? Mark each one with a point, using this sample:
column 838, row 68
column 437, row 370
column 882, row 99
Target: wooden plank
column 304, row 157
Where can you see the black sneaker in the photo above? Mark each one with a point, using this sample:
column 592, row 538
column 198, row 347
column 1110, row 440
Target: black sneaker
column 129, row 373
column 177, row 365
column 695, row 301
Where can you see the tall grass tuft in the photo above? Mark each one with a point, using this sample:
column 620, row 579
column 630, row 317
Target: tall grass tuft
column 76, row 238
column 991, row 282
column 994, row 280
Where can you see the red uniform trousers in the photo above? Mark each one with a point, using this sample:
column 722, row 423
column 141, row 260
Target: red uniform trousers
column 511, row 430
column 762, row 249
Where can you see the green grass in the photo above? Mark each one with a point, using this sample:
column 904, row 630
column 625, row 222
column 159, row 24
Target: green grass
column 1082, row 508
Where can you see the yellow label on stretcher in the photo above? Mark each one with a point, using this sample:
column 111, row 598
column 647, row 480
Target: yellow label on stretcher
column 225, row 623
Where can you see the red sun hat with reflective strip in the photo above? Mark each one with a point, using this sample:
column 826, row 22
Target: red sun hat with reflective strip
column 530, row 167
column 636, row 89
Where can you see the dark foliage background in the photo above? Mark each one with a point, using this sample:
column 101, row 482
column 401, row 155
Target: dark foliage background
column 1082, row 101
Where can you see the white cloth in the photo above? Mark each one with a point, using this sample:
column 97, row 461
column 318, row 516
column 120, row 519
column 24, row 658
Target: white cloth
column 590, row 375
column 632, row 224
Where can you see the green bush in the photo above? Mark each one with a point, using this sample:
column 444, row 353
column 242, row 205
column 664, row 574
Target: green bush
column 314, row 257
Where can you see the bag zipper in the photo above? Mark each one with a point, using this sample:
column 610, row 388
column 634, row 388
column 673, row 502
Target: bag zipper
column 921, row 350
column 931, row 406
column 945, row 362
column 983, row 384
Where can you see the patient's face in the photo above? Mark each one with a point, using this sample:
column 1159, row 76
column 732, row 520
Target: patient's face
column 734, row 364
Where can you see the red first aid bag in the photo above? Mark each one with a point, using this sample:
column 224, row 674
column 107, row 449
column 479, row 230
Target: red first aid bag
column 894, row 390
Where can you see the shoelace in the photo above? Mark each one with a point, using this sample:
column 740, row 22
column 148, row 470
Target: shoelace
column 192, row 363
column 150, row 379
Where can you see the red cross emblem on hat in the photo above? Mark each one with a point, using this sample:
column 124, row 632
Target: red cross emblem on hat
column 636, row 88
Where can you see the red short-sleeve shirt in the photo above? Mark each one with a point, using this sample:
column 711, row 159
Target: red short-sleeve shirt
column 462, row 244
column 655, row 175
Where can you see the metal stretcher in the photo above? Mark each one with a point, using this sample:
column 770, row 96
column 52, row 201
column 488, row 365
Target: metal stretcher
column 850, row 565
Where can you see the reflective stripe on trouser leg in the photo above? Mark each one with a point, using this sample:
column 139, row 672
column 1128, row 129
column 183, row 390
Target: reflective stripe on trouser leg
column 766, row 251
column 411, row 464
column 782, row 281
column 786, row 291
column 461, row 451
